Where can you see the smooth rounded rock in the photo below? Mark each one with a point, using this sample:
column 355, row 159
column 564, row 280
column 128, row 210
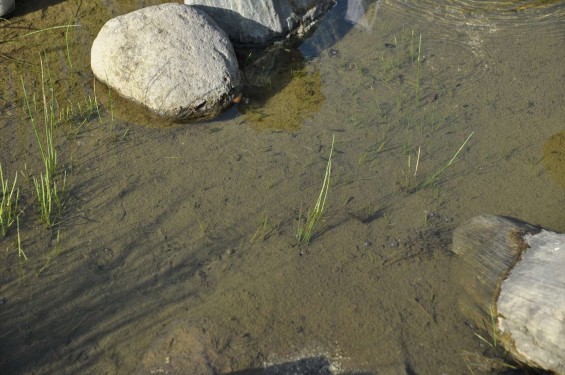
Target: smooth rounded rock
column 171, row 58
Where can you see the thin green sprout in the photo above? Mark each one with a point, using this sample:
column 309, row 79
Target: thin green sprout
column 305, row 230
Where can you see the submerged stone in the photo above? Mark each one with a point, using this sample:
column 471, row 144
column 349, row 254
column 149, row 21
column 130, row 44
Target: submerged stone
column 171, row 58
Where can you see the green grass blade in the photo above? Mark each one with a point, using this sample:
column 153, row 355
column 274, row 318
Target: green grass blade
column 433, row 178
column 306, row 230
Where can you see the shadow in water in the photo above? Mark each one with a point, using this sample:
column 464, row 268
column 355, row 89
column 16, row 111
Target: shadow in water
column 281, row 87
column 108, row 279
column 24, row 7
column 339, row 21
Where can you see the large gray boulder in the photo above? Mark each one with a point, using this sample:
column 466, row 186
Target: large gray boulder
column 171, row 58
column 258, row 22
column 6, row 6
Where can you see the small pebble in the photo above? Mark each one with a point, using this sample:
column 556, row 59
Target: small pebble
column 333, row 52
column 350, row 66
column 393, row 242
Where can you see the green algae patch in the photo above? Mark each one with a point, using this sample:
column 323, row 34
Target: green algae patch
column 288, row 107
column 554, row 157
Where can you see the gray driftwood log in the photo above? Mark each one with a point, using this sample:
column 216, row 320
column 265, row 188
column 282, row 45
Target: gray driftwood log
column 515, row 272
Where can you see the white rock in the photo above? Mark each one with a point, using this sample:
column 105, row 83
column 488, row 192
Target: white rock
column 258, row 22
column 6, row 6
column 171, row 58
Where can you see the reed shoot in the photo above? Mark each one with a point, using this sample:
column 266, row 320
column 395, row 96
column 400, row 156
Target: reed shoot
column 306, row 229
column 47, row 192
column 21, row 253
column 48, row 199
column 431, row 180
column 46, row 147
column 263, row 231
column 17, row 38
column 9, row 203
column 419, row 70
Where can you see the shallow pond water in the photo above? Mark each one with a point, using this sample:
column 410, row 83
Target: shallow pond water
column 176, row 249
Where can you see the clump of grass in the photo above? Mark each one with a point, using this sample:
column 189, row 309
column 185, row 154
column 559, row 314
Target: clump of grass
column 9, row 203
column 48, row 198
column 409, row 182
column 306, row 228
column 46, row 147
column 79, row 113
column 410, row 177
column 263, row 231
column 432, row 180
column 47, row 193
column 497, row 363
column 494, row 335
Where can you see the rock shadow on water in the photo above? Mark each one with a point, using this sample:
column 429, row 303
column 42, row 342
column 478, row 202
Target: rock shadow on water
column 283, row 84
column 194, row 348
column 124, row 111
column 281, row 91
column 304, row 366
column 30, row 6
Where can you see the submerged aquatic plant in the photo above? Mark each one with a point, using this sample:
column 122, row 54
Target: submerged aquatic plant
column 306, row 229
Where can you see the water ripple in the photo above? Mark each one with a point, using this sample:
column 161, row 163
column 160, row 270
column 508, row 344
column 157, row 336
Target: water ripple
column 524, row 15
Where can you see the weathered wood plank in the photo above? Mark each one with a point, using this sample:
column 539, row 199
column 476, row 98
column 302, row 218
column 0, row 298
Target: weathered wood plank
column 488, row 247
column 516, row 271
